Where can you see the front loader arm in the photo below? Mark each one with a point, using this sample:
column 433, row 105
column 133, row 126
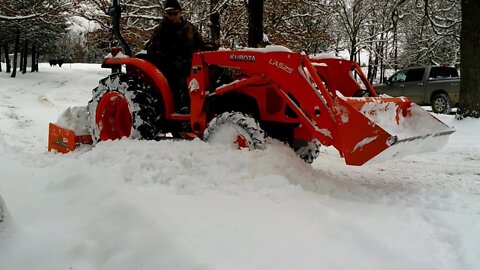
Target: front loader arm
column 291, row 74
column 360, row 128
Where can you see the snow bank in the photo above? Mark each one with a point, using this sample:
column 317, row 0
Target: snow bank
column 269, row 48
column 131, row 204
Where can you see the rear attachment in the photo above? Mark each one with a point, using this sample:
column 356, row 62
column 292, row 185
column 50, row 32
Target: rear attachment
column 65, row 140
column 70, row 131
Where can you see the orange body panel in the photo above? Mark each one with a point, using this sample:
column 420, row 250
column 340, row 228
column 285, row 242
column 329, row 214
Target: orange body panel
column 309, row 88
column 151, row 75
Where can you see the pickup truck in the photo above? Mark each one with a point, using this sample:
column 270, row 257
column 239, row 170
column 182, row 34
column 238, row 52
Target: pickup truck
column 437, row 86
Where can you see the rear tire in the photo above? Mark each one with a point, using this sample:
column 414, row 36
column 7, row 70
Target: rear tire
column 123, row 106
column 441, row 104
column 236, row 128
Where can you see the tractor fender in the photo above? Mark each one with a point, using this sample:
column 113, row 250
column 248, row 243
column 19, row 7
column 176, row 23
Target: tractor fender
column 148, row 72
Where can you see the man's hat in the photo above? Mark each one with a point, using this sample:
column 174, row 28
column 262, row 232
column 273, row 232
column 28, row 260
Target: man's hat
column 172, row 5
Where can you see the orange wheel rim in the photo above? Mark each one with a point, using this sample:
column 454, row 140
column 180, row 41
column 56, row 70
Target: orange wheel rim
column 242, row 142
column 113, row 116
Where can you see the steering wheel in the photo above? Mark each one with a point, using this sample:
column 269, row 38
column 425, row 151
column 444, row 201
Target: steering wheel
column 362, row 93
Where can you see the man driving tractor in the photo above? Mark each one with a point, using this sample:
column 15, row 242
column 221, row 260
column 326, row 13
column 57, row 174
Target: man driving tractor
column 171, row 47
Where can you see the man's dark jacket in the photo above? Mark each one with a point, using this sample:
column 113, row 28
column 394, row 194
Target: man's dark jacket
column 174, row 42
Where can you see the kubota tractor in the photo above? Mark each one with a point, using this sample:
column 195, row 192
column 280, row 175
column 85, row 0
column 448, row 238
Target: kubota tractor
column 255, row 93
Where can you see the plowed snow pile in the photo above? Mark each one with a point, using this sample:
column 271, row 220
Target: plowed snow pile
column 191, row 205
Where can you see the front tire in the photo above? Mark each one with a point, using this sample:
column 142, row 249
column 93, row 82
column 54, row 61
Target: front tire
column 441, row 104
column 310, row 151
column 123, row 106
column 236, row 128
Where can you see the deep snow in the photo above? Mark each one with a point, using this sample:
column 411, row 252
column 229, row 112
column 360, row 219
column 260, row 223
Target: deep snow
column 191, row 205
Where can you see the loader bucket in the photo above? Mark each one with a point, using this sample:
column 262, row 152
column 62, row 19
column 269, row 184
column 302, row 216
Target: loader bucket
column 382, row 128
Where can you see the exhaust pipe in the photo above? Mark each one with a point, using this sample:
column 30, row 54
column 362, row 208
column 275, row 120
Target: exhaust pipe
column 115, row 11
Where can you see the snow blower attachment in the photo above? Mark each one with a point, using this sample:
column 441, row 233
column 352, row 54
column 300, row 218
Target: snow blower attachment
column 65, row 140
column 272, row 91
column 70, row 131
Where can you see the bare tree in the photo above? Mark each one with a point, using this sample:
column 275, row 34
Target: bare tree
column 34, row 67
column 15, row 53
column 470, row 59
column 7, row 58
column 28, row 10
column 215, row 28
column 24, row 56
column 403, row 32
column 353, row 16
column 255, row 23
column 33, row 23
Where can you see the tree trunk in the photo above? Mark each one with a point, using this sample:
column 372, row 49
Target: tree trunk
column 1, row 58
column 380, row 56
column 469, row 61
column 25, row 57
column 21, row 59
column 255, row 23
column 7, row 58
column 15, row 54
column 352, row 51
column 370, row 67
column 371, row 49
column 34, row 59
column 376, row 61
column 215, row 22
column 395, row 48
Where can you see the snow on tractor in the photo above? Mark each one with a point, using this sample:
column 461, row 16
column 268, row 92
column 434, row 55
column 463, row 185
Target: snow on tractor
column 255, row 94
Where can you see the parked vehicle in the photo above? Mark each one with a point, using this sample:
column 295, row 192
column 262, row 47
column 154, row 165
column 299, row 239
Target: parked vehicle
column 437, row 86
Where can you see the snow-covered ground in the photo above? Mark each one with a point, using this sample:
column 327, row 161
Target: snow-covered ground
column 190, row 205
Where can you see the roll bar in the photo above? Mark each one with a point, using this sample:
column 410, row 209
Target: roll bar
column 115, row 11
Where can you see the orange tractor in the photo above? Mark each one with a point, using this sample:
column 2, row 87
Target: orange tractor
column 256, row 93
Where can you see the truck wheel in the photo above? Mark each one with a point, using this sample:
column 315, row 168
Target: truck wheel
column 310, row 151
column 441, row 104
column 123, row 106
column 236, row 128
